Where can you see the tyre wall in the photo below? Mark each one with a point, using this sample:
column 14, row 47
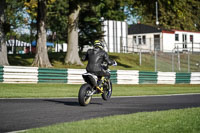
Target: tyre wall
column 20, row 74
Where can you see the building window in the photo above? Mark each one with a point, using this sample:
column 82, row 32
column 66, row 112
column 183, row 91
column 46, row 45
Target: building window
column 176, row 37
column 191, row 38
column 134, row 40
column 139, row 40
column 143, row 39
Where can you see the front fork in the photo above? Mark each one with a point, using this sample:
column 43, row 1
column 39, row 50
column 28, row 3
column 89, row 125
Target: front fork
column 101, row 82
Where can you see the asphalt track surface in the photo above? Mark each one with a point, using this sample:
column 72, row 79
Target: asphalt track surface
column 22, row 114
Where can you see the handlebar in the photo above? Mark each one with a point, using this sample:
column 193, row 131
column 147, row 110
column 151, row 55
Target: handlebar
column 115, row 64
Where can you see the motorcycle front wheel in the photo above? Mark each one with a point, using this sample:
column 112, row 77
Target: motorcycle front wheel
column 83, row 97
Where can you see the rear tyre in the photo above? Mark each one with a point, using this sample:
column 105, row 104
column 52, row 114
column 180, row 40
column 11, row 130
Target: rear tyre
column 83, row 96
column 107, row 91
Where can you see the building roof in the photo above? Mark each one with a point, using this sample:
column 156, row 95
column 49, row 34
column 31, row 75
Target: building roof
column 34, row 43
column 142, row 28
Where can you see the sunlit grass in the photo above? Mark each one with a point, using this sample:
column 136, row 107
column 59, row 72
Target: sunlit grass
column 67, row 90
column 172, row 121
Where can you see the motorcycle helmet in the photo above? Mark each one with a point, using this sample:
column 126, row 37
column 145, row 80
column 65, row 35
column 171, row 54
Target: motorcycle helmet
column 98, row 44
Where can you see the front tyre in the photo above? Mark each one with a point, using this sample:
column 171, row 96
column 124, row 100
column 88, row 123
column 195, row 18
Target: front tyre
column 107, row 90
column 83, row 97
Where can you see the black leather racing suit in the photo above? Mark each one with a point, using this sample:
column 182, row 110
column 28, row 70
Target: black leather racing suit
column 96, row 57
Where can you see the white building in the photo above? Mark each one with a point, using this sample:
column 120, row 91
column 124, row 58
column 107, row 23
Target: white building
column 148, row 38
column 11, row 44
column 115, row 35
column 61, row 47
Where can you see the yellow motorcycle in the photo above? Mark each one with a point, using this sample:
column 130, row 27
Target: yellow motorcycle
column 95, row 85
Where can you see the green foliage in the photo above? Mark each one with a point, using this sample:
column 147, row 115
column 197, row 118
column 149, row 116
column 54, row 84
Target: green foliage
column 57, row 20
column 89, row 25
column 173, row 14
column 14, row 16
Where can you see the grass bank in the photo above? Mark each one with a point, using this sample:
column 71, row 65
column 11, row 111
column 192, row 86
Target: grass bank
column 172, row 121
column 125, row 61
column 66, row 90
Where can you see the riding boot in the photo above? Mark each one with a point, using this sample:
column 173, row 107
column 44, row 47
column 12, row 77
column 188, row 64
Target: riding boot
column 100, row 84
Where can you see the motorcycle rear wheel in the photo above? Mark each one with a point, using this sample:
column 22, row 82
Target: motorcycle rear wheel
column 83, row 97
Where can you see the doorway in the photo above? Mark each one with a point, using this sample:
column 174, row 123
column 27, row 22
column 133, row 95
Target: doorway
column 184, row 41
column 156, row 42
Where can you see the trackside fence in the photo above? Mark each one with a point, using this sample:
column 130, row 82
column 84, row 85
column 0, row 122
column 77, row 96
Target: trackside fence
column 52, row 75
column 18, row 74
column 13, row 74
column 1, row 74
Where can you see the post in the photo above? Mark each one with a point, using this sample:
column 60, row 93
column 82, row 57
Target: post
column 150, row 44
column 133, row 45
column 57, row 48
column 179, row 62
column 192, row 46
column 140, row 57
column 121, row 45
column 157, row 22
column 155, row 60
column 15, row 44
column 188, row 61
column 30, row 49
column 172, row 61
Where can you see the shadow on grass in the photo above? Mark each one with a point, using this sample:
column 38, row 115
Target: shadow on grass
column 123, row 65
column 114, row 57
column 20, row 60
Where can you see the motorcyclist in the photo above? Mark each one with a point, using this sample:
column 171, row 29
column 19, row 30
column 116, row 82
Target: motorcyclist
column 96, row 57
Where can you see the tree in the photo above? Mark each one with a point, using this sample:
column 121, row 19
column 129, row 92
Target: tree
column 10, row 19
column 178, row 14
column 172, row 14
column 89, row 26
column 3, row 47
column 89, row 23
column 31, row 8
column 41, row 57
column 72, row 56
column 57, row 20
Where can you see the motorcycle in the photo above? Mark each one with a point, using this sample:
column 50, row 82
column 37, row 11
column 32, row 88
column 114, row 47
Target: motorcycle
column 88, row 89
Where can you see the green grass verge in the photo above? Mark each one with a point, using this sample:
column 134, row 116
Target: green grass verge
column 172, row 121
column 66, row 90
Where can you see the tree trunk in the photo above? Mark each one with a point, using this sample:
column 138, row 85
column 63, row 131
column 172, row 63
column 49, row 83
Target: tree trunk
column 3, row 47
column 72, row 56
column 41, row 57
